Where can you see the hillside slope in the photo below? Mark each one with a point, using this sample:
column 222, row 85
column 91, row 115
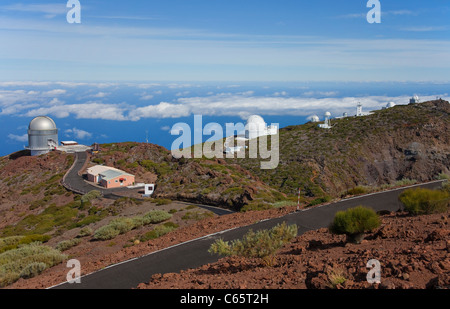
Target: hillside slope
column 403, row 142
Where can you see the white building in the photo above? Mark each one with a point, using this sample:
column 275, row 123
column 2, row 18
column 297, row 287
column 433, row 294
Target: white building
column 389, row 105
column 414, row 100
column 327, row 122
column 256, row 127
column 359, row 111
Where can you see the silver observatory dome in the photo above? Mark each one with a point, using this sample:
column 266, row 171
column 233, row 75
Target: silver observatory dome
column 42, row 123
column 42, row 135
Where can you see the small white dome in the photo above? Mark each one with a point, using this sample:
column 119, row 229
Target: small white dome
column 42, row 123
column 327, row 114
column 390, row 104
column 255, row 119
column 314, row 118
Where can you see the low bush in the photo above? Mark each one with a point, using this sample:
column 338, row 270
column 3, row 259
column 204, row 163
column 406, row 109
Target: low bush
column 84, row 232
column 123, row 225
column 355, row 222
column 320, row 200
column 12, row 242
column 421, row 201
column 91, row 195
column 67, row 244
column 162, row 201
column 358, row 190
column 158, row 231
column 27, row 261
column 261, row 244
column 32, row 270
column 336, row 277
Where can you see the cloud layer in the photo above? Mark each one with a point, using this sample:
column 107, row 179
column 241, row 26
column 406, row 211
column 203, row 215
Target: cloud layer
column 32, row 103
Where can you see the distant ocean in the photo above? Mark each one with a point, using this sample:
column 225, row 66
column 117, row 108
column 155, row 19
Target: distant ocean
column 117, row 112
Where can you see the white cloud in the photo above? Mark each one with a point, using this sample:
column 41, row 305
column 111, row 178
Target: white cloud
column 55, row 92
column 90, row 110
column 165, row 128
column 18, row 138
column 100, row 95
column 384, row 14
column 78, row 134
column 146, row 97
column 241, row 104
column 424, row 29
column 49, row 9
column 162, row 110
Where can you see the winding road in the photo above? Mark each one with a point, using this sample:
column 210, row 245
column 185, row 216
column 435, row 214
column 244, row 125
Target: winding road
column 74, row 182
column 193, row 254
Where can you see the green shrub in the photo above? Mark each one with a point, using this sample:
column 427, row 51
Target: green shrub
column 106, row 232
column 67, row 244
column 320, row 200
column 12, row 242
column 446, row 187
column 27, row 260
column 444, row 176
column 91, row 195
column 84, row 232
column 197, row 215
column 261, row 244
column 421, row 201
column 158, row 231
column 354, row 222
column 358, row 190
column 156, row 216
column 32, row 270
column 123, row 225
column 256, row 206
column 162, row 201
column 336, row 277
column 284, row 204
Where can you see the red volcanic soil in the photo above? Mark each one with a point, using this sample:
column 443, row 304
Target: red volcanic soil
column 414, row 253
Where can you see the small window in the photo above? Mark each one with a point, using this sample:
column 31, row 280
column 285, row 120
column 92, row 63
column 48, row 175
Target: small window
column 117, row 180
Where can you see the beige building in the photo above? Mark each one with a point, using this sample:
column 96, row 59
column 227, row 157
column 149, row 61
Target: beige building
column 109, row 177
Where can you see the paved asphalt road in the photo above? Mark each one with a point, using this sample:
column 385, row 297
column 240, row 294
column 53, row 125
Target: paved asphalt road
column 195, row 253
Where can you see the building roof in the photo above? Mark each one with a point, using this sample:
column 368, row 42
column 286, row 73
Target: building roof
column 106, row 171
column 42, row 123
column 111, row 174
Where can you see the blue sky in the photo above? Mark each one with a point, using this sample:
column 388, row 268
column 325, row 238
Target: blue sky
column 217, row 40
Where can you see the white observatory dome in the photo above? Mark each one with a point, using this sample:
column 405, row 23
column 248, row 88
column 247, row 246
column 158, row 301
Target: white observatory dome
column 42, row 123
column 390, row 104
column 327, row 114
column 315, row 118
column 255, row 127
column 256, row 120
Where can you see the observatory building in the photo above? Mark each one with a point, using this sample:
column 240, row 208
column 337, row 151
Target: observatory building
column 359, row 111
column 256, row 127
column 42, row 135
column 327, row 123
column 414, row 100
column 389, row 105
column 314, row 118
